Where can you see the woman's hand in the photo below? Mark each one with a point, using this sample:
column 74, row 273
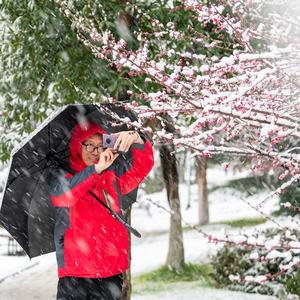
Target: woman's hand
column 106, row 158
column 126, row 139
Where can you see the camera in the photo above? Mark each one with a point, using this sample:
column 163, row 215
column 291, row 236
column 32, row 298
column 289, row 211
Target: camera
column 109, row 140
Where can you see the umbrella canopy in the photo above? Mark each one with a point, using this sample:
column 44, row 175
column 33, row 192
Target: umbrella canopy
column 26, row 210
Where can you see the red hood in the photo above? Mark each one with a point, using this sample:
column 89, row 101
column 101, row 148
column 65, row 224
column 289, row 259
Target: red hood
column 80, row 133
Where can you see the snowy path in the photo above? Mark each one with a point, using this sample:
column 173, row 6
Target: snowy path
column 22, row 279
column 38, row 278
column 32, row 285
column 41, row 285
column 37, row 283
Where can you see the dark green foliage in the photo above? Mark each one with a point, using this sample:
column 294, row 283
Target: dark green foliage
column 4, row 149
column 235, row 260
column 293, row 284
column 292, row 195
column 229, row 260
column 42, row 60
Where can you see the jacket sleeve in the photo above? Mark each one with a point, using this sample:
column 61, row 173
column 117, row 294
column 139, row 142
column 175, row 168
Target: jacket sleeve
column 140, row 164
column 66, row 191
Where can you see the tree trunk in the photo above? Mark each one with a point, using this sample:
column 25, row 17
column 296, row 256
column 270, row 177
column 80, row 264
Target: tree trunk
column 175, row 257
column 126, row 288
column 181, row 164
column 188, row 178
column 203, row 199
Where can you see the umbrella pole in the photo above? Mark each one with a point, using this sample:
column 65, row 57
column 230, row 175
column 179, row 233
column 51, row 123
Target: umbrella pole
column 115, row 215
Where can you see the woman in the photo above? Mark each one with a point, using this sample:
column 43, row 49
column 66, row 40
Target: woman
column 92, row 247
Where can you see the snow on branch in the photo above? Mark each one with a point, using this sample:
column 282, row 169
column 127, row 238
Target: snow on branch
column 234, row 90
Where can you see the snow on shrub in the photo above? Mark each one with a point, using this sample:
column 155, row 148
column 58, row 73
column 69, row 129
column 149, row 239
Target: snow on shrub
column 267, row 268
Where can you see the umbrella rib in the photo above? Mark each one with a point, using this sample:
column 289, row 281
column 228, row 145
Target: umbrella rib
column 49, row 131
column 42, row 154
column 23, row 173
column 28, row 169
column 28, row 212
column 36, row 152
column 45, row 156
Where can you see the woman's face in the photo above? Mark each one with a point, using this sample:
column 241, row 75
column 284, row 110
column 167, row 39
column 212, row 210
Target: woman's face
column 91, row 158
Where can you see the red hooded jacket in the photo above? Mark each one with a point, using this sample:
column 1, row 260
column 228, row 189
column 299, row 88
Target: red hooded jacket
column 89, row 241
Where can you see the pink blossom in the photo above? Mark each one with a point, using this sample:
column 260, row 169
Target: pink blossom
column 225, row 165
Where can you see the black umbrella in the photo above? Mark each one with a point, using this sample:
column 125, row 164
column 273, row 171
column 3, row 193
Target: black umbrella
column 26, row 211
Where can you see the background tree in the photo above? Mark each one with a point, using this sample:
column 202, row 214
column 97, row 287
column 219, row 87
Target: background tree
column 225, row 73
column 52, row 68
column 238, row 100
column 42, row 62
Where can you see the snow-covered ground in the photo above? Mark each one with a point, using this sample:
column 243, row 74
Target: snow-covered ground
column 21, row 278
column 37, row 278
column 224, row 204
column 192, row 292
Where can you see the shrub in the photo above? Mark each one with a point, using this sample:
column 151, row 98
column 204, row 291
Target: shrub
column 233, row 263
column 293, row 283
column 292, row 195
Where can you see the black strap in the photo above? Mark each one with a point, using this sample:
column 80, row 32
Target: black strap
column 115, row 215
